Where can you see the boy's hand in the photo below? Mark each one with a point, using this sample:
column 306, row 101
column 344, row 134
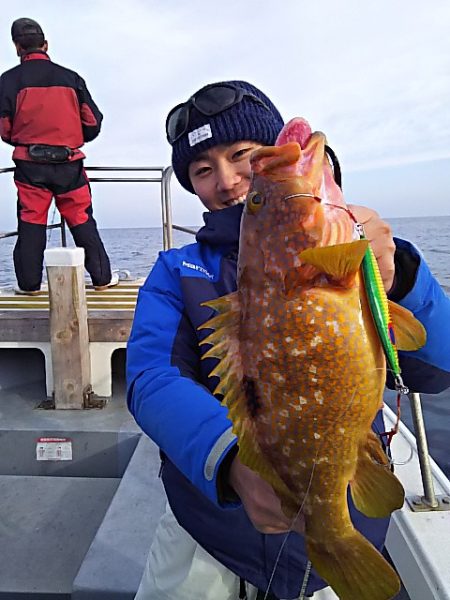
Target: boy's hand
column 379, row 234
column 260, row 501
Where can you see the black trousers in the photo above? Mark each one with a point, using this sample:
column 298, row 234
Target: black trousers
column 37, row 184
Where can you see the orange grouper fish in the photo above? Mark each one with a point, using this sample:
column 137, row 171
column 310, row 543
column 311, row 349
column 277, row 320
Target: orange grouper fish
column 301, row 368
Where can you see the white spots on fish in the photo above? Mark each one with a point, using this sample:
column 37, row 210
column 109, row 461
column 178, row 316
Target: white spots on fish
column 319, row 308
column 312, row 321
column 318, row 499
column 302, row 400
column 297, row 352
column 268, row 321
column 313, row 369
column 341, row 429
column 269, row 350
column 322, row 459
column 317, row 436
column 324, row 500
column 295, row 406
column 279, row 378
column 309, row 303
column 299, row 307
column 316, row 341
column 286, row 450
column 304, row 440
column 288, row 339
column 334, row 325
column 319, row 397
column 284, row 413
column 314, row 379
column 302, row 464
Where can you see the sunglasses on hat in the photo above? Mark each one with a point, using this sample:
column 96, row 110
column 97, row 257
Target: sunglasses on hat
column 209, row 101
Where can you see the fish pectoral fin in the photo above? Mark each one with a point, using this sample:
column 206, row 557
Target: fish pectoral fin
column 409, row 332
column 353, row 567
column 341, row 261
column 375, row 490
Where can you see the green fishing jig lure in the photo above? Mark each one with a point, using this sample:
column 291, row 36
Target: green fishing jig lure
column 379, row 308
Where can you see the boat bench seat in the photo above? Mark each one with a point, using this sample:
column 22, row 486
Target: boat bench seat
column 108, row 331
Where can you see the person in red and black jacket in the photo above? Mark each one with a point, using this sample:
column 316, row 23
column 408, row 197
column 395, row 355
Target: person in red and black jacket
column 47, row 114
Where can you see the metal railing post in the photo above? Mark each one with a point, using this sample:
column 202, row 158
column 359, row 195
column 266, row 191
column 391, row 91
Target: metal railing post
column 166, row 201
column 422, row 451
column 63, row 233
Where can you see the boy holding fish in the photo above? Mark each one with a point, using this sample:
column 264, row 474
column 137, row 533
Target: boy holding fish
column 224, row 535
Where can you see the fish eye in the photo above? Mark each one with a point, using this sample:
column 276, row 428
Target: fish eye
column 254, row 201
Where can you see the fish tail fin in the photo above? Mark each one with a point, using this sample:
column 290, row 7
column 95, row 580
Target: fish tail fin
column 354, row 568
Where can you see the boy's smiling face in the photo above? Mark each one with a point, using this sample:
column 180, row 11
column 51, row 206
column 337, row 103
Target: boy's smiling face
column 221, row 175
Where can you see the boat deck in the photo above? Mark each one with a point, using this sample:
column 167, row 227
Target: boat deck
column 82, row 526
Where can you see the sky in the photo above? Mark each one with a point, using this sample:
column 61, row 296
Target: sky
column 374, row 76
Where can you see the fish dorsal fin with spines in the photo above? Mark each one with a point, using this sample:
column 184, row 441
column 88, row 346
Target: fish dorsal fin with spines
column 410, row 334
column 224, row 342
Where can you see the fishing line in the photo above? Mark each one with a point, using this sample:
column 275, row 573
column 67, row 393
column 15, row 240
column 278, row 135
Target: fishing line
column 404, row 462
column 392, row 462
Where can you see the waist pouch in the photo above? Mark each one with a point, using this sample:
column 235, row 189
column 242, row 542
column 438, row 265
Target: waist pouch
column 49, row 154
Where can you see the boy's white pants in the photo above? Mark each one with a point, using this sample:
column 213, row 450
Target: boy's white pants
column 179, row 569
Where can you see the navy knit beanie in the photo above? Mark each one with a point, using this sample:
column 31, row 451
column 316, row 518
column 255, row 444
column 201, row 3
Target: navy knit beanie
column 247, row 120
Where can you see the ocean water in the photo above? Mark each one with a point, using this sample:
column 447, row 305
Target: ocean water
column 136, row 250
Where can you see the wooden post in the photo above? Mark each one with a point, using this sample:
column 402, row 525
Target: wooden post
column 69, row 335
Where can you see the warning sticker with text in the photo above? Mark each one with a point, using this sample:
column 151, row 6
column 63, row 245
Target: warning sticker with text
column 53, row 448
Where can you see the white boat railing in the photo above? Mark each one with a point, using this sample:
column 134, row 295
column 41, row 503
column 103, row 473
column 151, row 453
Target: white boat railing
column 429, row 501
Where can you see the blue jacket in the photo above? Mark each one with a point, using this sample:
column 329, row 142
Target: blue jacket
column 170, row 396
